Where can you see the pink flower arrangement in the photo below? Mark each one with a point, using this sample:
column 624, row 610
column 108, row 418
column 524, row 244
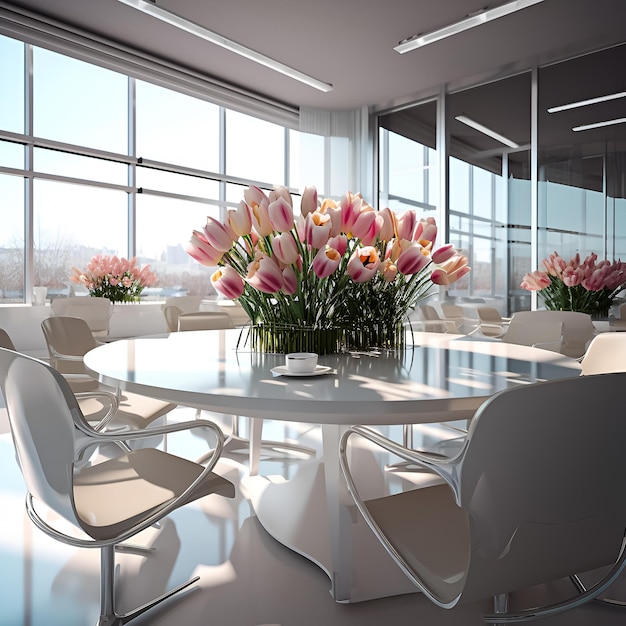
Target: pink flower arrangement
column 118, row 279
column 337, row 263
column 588, row 286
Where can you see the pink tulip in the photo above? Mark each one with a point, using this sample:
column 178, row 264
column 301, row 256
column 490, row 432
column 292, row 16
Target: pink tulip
column 285, row 249
column 388, row 270
column 340, row 243
column 597, row 280
column 450, row 271
column 290, row 281
column 220, row 236
column 441, row 255
column 386, row 220
column 365, row 227
column 571, row 277
column 334, row 212
column 555, row 265
column 254, row 196
column 426, row 231
column 261, row 219
column 308, row 203
column 281, row 215
column 363, row 264
column 317, row 229
column 301, row 228
column 411, row 258
column 264, row 274
column 240, row 220
column 326, row 261
column 406, row 225
column 202, row 251
column 535, row 281
column 280, row 191
column 350, row 210
column 227, row 281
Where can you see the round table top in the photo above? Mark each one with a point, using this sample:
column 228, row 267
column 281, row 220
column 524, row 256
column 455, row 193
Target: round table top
column 437, row 377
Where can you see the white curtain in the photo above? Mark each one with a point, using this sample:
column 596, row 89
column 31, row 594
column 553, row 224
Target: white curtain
column 348, row 152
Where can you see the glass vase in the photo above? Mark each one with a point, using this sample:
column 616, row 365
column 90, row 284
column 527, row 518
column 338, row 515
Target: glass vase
column 286, row 338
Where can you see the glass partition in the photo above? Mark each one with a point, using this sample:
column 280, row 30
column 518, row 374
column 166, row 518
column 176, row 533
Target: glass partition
column 581, row 148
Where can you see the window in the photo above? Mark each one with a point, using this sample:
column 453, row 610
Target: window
column 78, row 103
column 121, row 166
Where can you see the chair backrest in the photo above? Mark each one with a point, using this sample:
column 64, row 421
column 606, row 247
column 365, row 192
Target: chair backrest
column 67, row 335
column 95, row 311
column 606, row 353
column 489, row 315
column 578, row 329
column 542, row 479
column 429, row 312
column 453, row 311
column 41, row 410
column 187, row 304
column 171, row 313
column 204, row 320
column 5, row 340
column 542, row 333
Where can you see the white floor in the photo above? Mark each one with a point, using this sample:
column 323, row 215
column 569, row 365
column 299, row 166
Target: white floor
column 246, row 577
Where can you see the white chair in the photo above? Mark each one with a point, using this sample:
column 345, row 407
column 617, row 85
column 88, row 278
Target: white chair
column 171, row 313
column 95, row 311
column 606, row 353
column 187, row 304
column 520, row 505
column 432, row 322
column 455, row 318
column 203, row 320
column 68, row 340
column 491, row 323
column 539, row 333
column 173, row 307
column 578, row 329
column 106, row 502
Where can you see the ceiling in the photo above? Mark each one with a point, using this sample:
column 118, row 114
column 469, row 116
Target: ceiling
column 349, row 43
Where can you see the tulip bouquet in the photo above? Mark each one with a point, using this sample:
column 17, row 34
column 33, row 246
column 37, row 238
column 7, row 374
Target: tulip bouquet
column 119, row 280
column 587, row 286
column 338, row 274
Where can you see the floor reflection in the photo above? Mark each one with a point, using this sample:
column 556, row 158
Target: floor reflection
column 246, row 577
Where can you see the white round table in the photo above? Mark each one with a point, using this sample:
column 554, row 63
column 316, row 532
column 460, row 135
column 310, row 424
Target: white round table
column 439, row 378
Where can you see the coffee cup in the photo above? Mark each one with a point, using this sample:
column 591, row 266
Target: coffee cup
column 301, row 362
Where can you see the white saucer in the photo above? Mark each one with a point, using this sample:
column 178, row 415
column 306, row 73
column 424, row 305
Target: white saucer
column 282, row 370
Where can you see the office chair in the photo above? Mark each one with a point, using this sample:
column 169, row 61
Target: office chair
column 68, row 340
column 534, row 495
column 95, row 311
column 109, row 501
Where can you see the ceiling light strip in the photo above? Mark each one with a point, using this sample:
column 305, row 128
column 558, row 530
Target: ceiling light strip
column 471, row 21
column 620, row 120
column 486, row 131
column 584, row 103
column 150, row 8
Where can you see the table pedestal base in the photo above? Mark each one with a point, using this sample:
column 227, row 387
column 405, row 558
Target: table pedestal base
column 313, row 515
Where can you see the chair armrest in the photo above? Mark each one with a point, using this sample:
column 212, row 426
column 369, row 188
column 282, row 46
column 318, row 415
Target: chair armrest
column 91, row 437
column 64, row 357
column 112, row 400
column 445, row 467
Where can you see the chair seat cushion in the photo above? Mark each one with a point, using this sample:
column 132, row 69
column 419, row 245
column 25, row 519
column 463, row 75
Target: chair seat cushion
column 114, row 495
column 439, row 553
